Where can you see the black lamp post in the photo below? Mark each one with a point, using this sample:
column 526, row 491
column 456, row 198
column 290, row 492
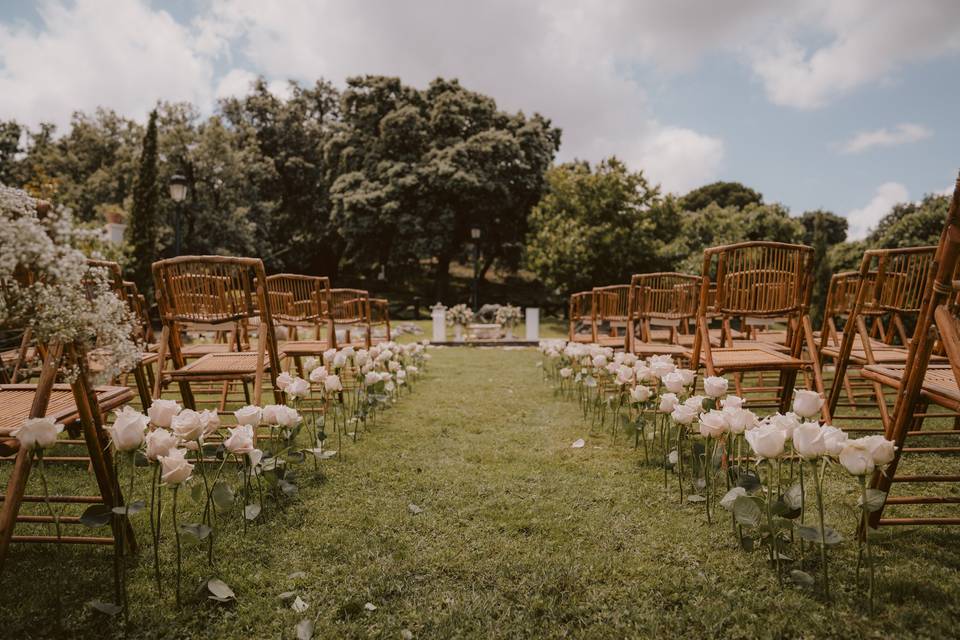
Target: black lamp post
column 475, row 235
column 178, row 193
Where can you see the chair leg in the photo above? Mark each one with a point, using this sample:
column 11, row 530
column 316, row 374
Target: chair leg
column 11, row 503
column 143, row 387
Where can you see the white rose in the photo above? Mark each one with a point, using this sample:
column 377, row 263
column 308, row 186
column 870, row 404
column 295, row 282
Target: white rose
column 187, row 425
column 255, row 457
column 287, row 416
column 299, row 388
column 393, row 365
column 687, row 375
column 332, row 383
column 159, row 443
column 834, row 439
column 249, row 415
column 174, row 468
column 371, row 378
column 284, row 380
column 787, row 423
column 161, row 412
column 740, row 420
column 348, row 351
column 270, row 413
column 808, row 440
column 240, row 440
column 566, row 372
column 624, row 375
column 642, row 372
column 695, row 403
column 310, row 364
column 128, row 429
column 767, row 440
column 715, row 386
column 713, row 424
column 733, row 402
column 806, row 404
column 683, row 414
column 667, row 402
column 856, row 457
column 329, row 355
column 599, row 361
column 339, row 360
column 37, row 432
column 629, row 359
column 318, row 375
column 210, row 420
column 640, row 394
column 673, row 381
column 881, row 450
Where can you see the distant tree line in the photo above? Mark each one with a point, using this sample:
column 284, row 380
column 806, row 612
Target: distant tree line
column 384, row 178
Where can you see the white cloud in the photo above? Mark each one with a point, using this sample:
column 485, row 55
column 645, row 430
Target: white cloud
column 235, row 83
column 866, row 41
column 901, row 134
column 862, row 220
column 681, row 158
column 88, row 54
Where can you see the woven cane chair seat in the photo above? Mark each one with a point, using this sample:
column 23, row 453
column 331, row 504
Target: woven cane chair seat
column 295, row 348
column 759, row 357
column 644, row 349
column 939, row 382
column 200, row 349
column 214, row 364
column 16, row 400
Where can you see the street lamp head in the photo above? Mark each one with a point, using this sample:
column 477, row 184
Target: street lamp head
column 475, row 233
column 178, row 188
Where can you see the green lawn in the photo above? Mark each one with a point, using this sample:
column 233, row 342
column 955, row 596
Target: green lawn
column 519, row 536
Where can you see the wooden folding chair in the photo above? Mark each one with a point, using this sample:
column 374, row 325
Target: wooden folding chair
column 78, row 402
column 581, row 317
column 660, row 308
column 379, row 317
column 610, row 315
column 350, row 309
column 302, row 302
column 224, row 293
column 890, row 286
column 919, row 383
column 758, row 280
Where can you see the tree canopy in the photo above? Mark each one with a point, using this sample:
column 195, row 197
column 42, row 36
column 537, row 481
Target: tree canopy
column 723, row 194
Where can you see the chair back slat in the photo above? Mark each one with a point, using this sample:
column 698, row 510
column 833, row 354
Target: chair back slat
column 759, row 279
column 209, row 289
column 298, row 298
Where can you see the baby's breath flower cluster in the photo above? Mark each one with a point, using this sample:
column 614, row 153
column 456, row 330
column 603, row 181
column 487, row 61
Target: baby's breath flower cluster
column 63, row 300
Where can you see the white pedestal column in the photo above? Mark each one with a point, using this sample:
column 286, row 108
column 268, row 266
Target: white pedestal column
column 439, row 315
column 533, row 323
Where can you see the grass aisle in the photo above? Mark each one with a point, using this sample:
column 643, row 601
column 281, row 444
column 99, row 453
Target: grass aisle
column 519, row 535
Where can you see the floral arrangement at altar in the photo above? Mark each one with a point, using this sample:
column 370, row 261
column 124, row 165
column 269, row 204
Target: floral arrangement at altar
column 711, row 442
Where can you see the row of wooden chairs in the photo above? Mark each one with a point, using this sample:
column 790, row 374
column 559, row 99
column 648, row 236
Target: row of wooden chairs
column 890, row 336
column 228, row 296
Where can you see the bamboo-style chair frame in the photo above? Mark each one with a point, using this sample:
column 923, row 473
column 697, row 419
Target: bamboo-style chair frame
column 225, row 293
column 350, row 308
column 581, row 312
column 919, row 383
column 611, row 311
column 660, row 308
column 889, row 285
column 302, row 302
column 77, row 402
column 379, row 311
column 758, row 280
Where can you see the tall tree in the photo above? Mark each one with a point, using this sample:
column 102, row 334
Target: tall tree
column 723, row 194
column 833, row 227
column 413, row 171
column 142, row 229
column 823, row 227
column 594, row 226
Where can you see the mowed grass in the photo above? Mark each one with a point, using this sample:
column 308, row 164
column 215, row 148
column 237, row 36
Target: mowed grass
column 519, row 536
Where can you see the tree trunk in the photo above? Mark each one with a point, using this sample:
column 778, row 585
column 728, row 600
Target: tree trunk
column 442, row 277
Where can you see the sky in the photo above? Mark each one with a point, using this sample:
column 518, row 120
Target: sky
column 837, row 104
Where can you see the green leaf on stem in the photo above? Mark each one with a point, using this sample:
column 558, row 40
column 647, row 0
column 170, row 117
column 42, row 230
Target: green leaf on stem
column 747, row 511
column 130, row 509
column 251, row 511
column 875, row 500
column 222, row 495
column 696, row 498
column 198, row 531
column 801, row 578
column 812, row 534
column 197, row 493
column 96, row 515
column 794, row 497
